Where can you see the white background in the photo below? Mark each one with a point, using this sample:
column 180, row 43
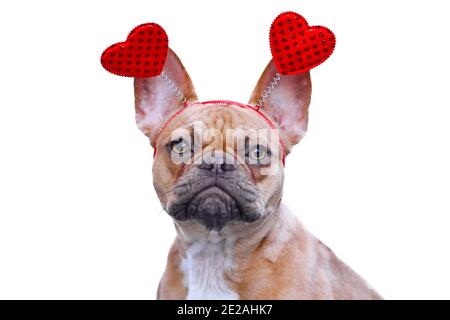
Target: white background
column 78, row 214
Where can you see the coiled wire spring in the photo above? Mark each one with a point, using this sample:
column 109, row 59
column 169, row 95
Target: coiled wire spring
column 268, row 91
column 174, row 88
column 180, row 96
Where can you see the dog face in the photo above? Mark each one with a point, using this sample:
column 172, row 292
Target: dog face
column 228, row 176
column 219, row 166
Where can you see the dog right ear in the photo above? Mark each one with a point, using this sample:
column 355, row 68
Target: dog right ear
column 156, row 98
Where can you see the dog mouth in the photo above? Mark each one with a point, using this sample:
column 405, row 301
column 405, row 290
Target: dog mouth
column 213, row 207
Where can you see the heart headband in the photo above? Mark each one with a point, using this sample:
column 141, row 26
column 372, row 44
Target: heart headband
column 296, row 48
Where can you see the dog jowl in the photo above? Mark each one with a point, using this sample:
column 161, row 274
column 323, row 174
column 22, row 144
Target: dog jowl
column 218, row 171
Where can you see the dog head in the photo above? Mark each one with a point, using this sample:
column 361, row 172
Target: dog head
column 218, row 165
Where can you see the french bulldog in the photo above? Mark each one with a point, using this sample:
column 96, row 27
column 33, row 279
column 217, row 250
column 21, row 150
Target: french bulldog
column 235, row 240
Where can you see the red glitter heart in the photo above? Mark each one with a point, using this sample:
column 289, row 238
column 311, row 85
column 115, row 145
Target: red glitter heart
column 142, row 55
column 297, row 47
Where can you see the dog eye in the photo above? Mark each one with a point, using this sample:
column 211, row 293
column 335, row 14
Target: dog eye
column 258, row 152
column 179, row 147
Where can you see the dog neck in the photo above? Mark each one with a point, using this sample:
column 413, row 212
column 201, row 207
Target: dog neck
column 211, row 261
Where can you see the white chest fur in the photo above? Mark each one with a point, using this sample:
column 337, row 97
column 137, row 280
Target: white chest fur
column 204, row 269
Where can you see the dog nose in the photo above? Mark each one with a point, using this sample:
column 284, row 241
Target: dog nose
column 219, row 163
column 217, row 166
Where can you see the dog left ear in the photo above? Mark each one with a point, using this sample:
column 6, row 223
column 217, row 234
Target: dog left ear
column 286, row 102
column 156, row 98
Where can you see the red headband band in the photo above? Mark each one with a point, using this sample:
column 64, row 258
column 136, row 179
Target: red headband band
column 227, row 103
